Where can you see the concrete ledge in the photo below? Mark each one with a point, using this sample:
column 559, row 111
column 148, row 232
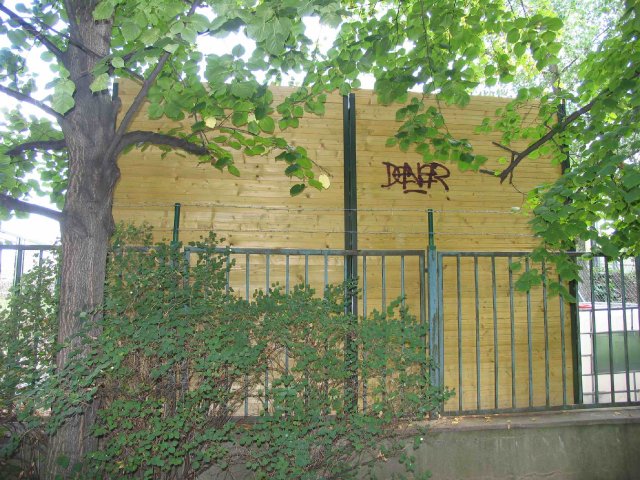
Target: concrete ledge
column 595, row 444
column 598, row 444
column 560, row 418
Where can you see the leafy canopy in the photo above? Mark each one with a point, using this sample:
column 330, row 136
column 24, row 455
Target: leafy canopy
column 584, row 78
column 437, row 47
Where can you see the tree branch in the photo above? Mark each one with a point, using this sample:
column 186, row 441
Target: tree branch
column 142, row 95
column 26, row 98
column 73, row 24
column 137, row 103
column 37, row 145
column 52, row 47
column 140, row 137
column 516, row 158
column 11, row 203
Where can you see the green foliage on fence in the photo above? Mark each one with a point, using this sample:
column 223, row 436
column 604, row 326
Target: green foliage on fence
column 178, row 356
column 28, row 328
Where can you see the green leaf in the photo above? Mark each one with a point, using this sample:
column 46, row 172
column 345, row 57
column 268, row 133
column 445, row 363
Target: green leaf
column 519, row 49
column 189, row 35
column 253, row 128
column 243, row 89
column 553, row 23
column 267, row 124
column 239, row 119
column 155, row 111
column 104, row 10
column 130, row 30
column 171, row 47
column 631, row 179
column 316, row 184
column 100, row 83
column 297, row 189
column 233, row 170
column 117, row 62
column 62, row 100
column 238, row 51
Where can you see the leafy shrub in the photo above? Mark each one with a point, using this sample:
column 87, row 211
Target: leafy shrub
column 180, row 357
column 28, row 329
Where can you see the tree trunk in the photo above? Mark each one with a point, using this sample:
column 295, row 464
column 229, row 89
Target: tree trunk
column 87, row 224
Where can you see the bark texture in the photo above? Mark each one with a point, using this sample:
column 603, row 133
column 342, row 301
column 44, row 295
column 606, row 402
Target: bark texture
column 87, row 223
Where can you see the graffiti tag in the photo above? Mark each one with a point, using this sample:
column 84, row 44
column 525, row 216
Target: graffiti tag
column 424, row 176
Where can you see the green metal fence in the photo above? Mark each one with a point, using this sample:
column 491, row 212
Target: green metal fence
column 499, row 349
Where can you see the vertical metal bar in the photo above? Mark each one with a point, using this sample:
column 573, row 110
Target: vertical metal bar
column 364, row 286
column 434, row 316
column 637, row 262
column 384, row 284
column 184, row 373
column 247, row 273
column 36, row 337
column 351, row 236
column 402, row 289
column 227, row 273
column 529, row 338
column 326, row 271
column 563, row 355
column 440, row 277
column 594, row 344
column 459, row 300
column 609, row 333
column 286, row 287
column 496, row 372
column 176, row 222
column 623, row 292
column 306, row 270
column 266, row 389
column 267, row 273
column 17, row 274
column 364, row 315
column 350, row 170
column 247, row 288
column 423, row 310
column 545, row 318
column 513, row 335
column 576, row 344
column 432, row 242
column 287, row 284
column 267, row 281
column 477, row 311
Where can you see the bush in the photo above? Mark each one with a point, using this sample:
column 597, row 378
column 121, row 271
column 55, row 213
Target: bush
column 179, row 355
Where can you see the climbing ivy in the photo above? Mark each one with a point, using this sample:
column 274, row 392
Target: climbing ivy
column 180, row 354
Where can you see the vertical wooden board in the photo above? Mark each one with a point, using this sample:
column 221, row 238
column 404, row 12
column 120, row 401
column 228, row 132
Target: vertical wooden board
column 254, row 209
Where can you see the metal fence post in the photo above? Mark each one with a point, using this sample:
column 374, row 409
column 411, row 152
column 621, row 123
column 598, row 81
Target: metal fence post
column 435, row 342
column 638, row 285
column 19, row 266
column 351, row 244
column 176, row 222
